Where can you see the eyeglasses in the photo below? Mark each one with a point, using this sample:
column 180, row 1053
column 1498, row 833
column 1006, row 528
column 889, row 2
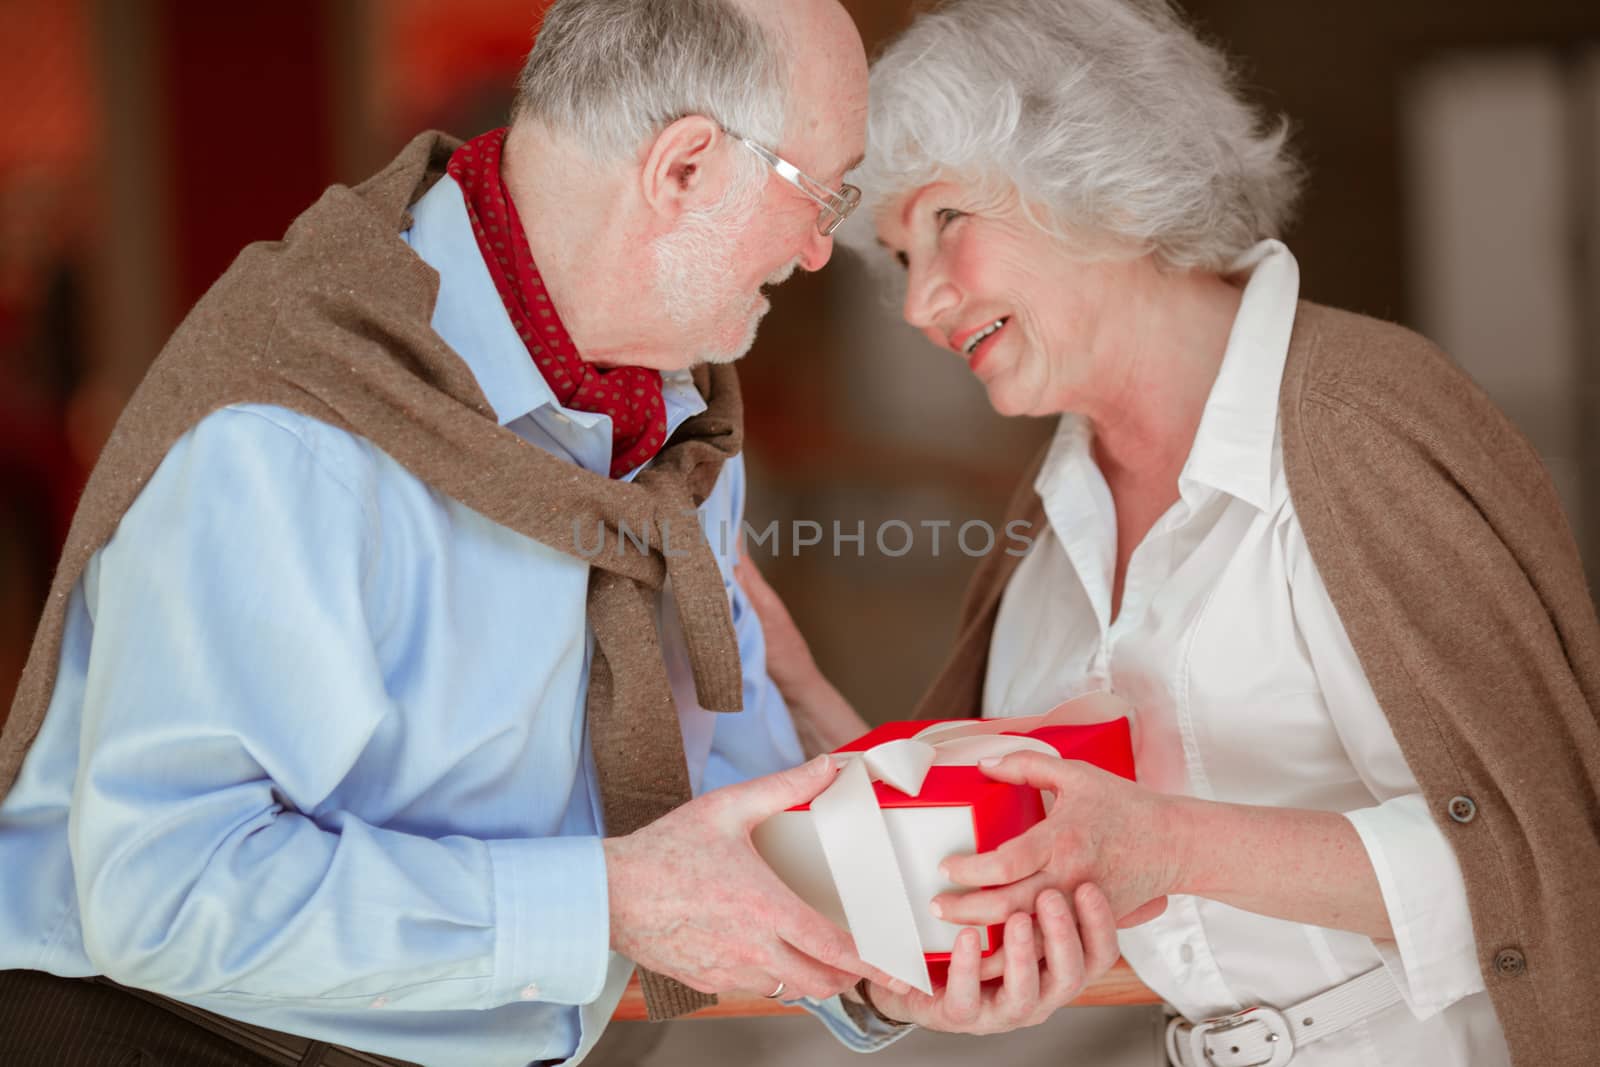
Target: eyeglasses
column 835, row 206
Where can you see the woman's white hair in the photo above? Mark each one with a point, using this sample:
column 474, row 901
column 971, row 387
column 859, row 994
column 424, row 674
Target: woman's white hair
column 613, row 73
column 1110, row 117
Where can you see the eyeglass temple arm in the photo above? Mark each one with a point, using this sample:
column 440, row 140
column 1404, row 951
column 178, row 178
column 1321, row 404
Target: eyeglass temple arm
column 796, row 177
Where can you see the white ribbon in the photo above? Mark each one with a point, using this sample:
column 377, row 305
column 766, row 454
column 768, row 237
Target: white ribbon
column 856, row 841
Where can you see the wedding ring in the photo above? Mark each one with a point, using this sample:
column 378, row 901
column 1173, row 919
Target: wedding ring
column 776, row 993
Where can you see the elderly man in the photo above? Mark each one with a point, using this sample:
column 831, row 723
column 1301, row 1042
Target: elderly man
column 331, row 740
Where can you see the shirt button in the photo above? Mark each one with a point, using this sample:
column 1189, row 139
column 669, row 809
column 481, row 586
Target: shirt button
column 1509, row 963
column 1186, row 953
column 530, row 992
column 1462, row 809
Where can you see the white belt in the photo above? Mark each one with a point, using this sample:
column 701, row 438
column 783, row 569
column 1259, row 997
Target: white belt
column 1266, row 1037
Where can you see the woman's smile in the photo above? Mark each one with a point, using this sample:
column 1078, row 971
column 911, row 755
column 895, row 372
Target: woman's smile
column 976, row 345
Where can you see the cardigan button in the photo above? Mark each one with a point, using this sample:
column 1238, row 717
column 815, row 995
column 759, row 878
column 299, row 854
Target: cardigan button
column 1509, row 963
column 1462, row 809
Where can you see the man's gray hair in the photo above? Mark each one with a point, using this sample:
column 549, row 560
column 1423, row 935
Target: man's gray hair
column 614, row 73
column 1110, row 117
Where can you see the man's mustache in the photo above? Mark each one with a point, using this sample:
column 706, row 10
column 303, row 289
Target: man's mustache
column 784, row 273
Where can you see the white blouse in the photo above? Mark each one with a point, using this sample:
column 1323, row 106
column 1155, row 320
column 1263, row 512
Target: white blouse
column 1247, row 691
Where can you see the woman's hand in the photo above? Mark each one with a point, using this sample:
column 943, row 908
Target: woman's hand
column 823, row 718
column 1100, row 828
column 1139, row 846
column 1079, row 945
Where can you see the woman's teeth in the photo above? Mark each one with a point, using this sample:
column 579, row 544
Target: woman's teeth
column 978, row 338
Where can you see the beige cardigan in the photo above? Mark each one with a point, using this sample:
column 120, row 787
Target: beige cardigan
column 1443, row 546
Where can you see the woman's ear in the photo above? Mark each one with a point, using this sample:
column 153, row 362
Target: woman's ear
column 679, row 167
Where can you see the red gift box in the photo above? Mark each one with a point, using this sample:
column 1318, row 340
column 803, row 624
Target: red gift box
column 995, row 812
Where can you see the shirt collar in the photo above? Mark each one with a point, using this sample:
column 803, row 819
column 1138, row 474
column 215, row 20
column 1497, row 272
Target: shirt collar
column 1234, row 447
column 471, row 319
column 468, row 314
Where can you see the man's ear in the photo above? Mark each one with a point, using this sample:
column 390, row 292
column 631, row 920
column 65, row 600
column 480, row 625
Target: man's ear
column 677, row 174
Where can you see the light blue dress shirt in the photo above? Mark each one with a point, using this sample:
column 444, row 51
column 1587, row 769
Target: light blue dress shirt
column 316, row 756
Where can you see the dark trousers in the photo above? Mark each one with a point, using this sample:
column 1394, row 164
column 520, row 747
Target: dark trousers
column 46, row 1021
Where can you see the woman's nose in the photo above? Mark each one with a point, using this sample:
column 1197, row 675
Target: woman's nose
column 928, row 297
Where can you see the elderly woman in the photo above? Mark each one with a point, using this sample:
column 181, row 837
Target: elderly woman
column 1333, row 581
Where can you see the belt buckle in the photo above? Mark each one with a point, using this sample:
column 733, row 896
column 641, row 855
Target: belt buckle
column 1279, row 1037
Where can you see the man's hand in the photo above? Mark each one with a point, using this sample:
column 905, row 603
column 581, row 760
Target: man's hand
column 1079, row 945
column 692, row 899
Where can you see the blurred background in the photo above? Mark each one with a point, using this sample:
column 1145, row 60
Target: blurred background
column 1454, row 154
column 1453, row 147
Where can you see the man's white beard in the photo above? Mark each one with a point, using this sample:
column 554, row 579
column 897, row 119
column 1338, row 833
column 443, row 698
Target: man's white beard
column 692, row 267
column 758, row 310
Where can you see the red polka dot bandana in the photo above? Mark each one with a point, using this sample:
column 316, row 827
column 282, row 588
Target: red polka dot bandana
column 631, row 396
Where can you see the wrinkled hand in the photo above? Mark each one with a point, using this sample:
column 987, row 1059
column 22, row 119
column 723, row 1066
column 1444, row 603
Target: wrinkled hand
column 692, row 899
column 1079, row 944
column 1100, row 828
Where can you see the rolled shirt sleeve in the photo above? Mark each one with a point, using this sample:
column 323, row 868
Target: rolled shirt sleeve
column 1433, row 956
